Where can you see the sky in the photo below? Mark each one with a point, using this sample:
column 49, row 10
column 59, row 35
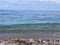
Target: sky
column 30, row 4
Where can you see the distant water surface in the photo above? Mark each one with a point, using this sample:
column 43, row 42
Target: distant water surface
column 28, row 16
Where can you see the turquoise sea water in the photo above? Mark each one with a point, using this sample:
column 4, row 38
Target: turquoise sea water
column 29, row 19
column 41, row 26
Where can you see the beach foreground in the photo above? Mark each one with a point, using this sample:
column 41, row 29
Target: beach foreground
column 30, row 41
column 31, row 37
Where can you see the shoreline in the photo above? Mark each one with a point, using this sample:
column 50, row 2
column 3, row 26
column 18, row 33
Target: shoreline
column 35, row 34
column 19, row 31
column 30, row 34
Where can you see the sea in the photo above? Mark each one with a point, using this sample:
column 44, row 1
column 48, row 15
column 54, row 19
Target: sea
column 30, row 24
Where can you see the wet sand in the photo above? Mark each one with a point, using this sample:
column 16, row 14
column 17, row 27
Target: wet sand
column 27, row 34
